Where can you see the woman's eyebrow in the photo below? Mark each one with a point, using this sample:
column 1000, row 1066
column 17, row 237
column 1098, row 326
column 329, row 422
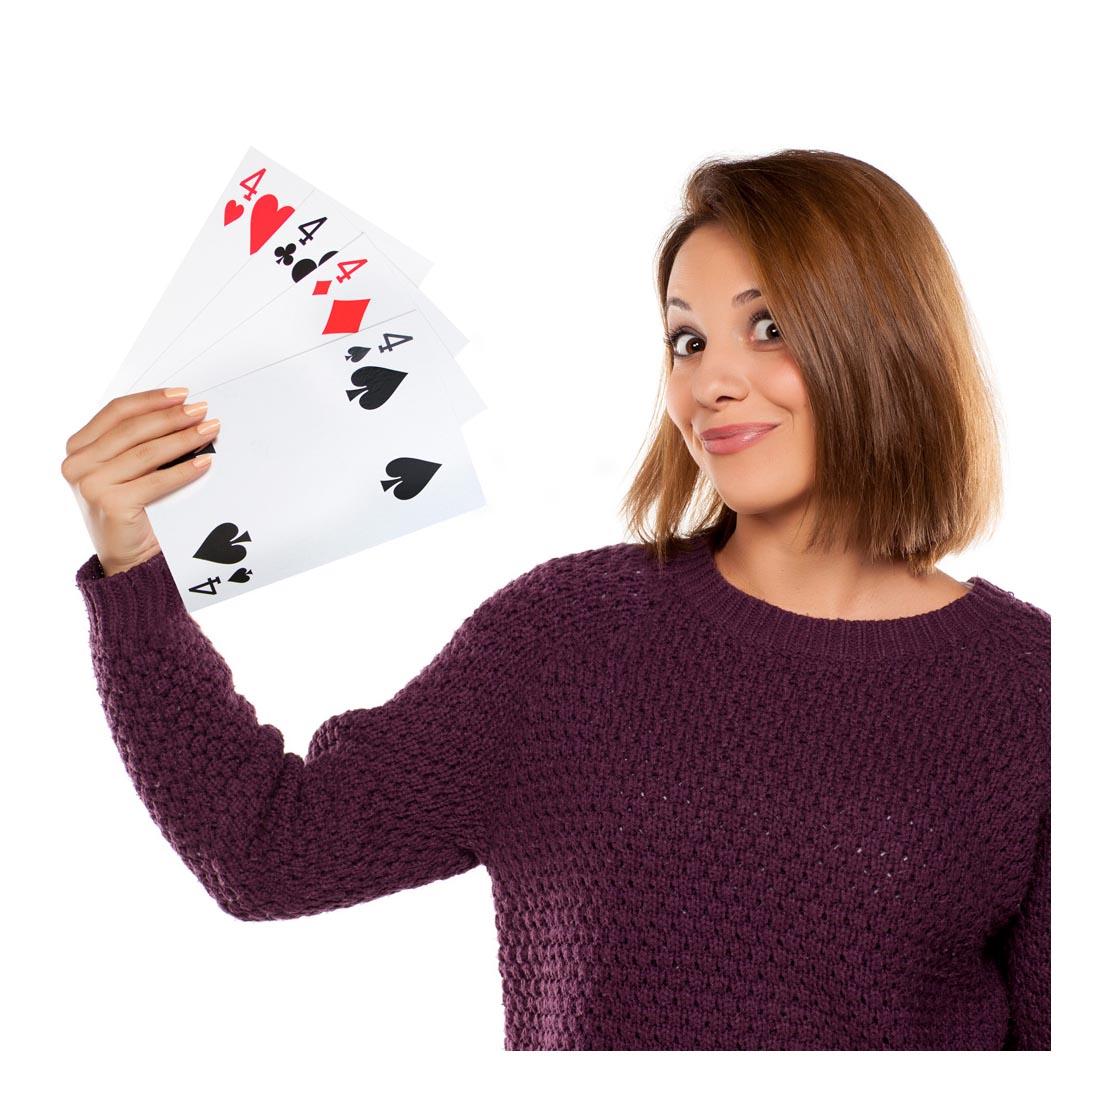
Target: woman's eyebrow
column 736, row 300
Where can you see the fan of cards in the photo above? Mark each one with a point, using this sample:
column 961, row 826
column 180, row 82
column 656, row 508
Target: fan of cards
column 333, row 376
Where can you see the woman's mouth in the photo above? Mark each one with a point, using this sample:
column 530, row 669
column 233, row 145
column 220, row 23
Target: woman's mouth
column 738, row 441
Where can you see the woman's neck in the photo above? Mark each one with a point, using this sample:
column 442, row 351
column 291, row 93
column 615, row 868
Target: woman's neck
column 833, row 586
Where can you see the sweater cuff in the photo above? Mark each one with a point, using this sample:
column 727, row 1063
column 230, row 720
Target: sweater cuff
column 133, row 603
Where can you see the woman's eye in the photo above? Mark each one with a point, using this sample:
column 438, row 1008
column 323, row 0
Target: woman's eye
column 681, row 350
column 764, row 328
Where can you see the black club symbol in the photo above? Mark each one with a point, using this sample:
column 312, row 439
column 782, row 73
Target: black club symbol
column 285, row 254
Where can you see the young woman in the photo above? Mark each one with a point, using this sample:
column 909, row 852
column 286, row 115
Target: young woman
column 763, row 778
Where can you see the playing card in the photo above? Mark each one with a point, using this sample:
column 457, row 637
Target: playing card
column 331, row 451
column 225, row 267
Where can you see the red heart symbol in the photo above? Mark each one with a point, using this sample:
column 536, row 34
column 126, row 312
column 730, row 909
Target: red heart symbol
column 233, row 210
column 267, row 216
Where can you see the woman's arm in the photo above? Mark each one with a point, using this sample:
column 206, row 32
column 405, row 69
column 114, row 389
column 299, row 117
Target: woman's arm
column 385, row 798
column 1025, row 956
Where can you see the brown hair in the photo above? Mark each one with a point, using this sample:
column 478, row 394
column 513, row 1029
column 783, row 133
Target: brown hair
column 868, row 302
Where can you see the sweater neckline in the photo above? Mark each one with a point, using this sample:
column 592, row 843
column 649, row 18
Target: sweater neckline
column 746, row 618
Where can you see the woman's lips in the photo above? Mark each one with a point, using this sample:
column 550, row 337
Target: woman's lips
column 739, row 441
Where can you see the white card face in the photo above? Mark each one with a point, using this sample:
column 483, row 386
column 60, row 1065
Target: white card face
column 332, row 451
column 236, row 232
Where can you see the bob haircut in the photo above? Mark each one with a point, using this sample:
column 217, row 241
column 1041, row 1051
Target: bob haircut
column 869, row 304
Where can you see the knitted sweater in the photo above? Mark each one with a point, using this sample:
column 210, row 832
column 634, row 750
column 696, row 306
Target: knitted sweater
column 708, row 822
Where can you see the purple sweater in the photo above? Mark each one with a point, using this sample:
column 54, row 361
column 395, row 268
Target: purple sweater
column 708, row 822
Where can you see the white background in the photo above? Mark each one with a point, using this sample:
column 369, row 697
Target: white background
column 535, row 154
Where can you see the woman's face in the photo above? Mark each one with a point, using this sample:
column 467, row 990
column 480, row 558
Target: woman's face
column 730, row 366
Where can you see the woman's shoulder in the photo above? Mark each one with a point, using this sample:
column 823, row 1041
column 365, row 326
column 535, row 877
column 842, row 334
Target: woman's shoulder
column 581, row 574
column 569, row 590
column 592, row 565
column 1023, row 619
column 1016, row 642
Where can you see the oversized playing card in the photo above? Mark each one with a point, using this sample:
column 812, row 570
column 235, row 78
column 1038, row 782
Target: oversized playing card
column 268, row 228
column 326, row 453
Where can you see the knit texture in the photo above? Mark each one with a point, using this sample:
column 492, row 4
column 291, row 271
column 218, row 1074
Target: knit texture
column 708, row 822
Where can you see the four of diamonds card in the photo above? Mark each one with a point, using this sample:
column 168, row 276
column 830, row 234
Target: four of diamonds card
column 334, row 378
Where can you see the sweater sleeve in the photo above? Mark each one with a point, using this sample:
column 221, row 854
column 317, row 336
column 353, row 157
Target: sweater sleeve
column 385, row 798
column 1025, row 956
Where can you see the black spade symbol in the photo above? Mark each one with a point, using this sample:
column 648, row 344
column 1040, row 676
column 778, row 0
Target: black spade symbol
column 376, row 385
column 221, row 545
column 410, row 475
column 356, row 353
column 303, row 267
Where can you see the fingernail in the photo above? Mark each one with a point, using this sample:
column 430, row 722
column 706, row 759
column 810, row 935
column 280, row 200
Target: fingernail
column 177, row 392
column 197, row 407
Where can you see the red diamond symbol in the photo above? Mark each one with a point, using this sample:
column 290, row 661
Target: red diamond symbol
column 346, row 316
column 322, row 286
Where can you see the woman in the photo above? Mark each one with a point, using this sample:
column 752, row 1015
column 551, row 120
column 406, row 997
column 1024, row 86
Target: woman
column 765, row 780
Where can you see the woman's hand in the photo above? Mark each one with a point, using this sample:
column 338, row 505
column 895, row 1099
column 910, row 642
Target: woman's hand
column 112, row 465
